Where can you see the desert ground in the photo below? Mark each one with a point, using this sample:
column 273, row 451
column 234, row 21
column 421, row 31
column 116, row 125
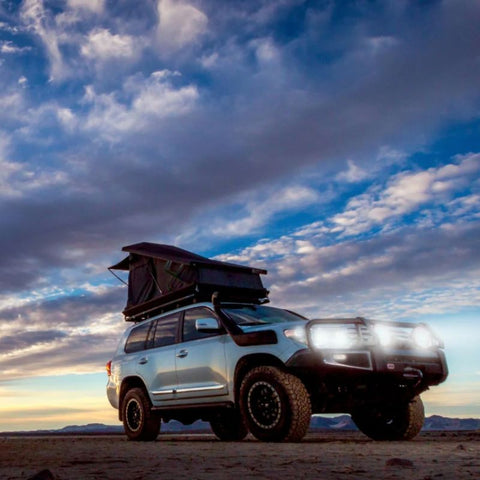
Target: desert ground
column 323, row 456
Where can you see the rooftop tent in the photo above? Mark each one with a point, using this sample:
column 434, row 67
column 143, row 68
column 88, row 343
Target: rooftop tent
column 162, row 276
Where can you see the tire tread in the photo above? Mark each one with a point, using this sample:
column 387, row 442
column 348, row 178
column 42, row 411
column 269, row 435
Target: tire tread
column 299, row 404
column 152, row 421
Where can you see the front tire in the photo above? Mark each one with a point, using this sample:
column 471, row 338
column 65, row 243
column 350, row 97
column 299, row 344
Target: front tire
column 275, row 405
column 229, row 426
column 392, row 422
column 139, row 422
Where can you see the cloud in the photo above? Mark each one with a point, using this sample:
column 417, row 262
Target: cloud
column 9, row 48
column 10, row 172
column 94, row 6
column 405, row 193
column 74, row 355
column 69, row 334
column 235, row 117
column 237, row 128
column 26, row 341
column 37, row 19
column 260, row 212
column 153, row 99
column 102, row 45
column 411, row 271
column 9, row 28
column 353, row 174
column 179, row 24
column 18, row 180
column 12, row 108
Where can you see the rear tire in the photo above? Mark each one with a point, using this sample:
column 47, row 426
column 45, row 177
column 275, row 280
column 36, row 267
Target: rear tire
column 275, row 405
column 139, row 422
column 393, row 422
column 229, row 426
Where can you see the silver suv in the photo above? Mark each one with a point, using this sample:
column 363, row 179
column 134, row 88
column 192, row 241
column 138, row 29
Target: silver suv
column 246, row 367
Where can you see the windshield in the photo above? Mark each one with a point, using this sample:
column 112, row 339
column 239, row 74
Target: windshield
column 260, row 315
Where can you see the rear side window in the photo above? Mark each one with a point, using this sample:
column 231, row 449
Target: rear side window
column 166, row 331
column 137, row 339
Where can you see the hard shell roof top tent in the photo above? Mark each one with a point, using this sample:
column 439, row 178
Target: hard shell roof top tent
column 163, row 277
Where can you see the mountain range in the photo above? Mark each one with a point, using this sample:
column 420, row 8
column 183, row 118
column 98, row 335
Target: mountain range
column 341, row 422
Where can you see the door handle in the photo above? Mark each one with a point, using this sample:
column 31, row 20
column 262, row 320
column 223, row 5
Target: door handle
column 143, row 361
column 182, row 353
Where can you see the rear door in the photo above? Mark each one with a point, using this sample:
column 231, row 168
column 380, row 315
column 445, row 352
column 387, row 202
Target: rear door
column 200, row 360
column 156, row 365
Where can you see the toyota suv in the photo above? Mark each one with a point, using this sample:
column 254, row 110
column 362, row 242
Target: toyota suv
column 248, row 367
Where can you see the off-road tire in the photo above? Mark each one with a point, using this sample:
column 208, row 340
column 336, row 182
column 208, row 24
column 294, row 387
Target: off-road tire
column 275, row 405
column 229, row 426
column 394, row 422
column 139, row 422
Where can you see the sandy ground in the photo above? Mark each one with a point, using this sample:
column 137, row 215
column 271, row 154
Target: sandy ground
column 338, row 455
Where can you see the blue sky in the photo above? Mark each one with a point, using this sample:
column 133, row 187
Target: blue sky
column 335, row 144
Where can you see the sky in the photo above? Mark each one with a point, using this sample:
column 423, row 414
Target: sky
column 334, row 143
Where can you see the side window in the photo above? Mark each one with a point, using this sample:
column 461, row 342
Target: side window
column 137, row 338
column 189, row 330
column 166, row 331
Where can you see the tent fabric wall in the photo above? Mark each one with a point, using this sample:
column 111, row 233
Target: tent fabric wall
column 160, row 273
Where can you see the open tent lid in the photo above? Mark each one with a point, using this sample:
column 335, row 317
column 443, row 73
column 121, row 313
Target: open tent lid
column 176, row 254
column 163, row 276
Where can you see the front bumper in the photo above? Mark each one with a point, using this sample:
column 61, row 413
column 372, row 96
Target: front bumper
column 425, row 368
column 354, row 347
column 342, row 381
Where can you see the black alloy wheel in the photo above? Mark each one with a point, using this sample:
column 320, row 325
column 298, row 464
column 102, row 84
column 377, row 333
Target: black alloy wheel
column 264, row 405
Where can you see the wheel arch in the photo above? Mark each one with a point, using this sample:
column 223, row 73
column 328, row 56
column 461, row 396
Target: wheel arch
column 127, row 384
column 248, row 362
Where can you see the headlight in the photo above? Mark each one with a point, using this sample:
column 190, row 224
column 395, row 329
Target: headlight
column 333, row 336
column 298, row 334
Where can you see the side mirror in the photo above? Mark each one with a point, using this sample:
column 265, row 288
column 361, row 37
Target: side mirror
column 207, row 325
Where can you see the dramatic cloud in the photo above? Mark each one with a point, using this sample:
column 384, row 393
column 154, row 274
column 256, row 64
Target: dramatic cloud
column 334, row 144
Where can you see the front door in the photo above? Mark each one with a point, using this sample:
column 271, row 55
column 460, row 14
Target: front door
column 200, row 360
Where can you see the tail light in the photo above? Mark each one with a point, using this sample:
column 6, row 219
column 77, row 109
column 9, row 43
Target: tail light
column 108, row 366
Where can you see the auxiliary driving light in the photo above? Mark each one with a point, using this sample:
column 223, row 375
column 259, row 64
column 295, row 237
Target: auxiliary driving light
column 424, row 338
column 333, row 336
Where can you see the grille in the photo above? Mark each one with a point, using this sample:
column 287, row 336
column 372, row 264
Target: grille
column 366, row 335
